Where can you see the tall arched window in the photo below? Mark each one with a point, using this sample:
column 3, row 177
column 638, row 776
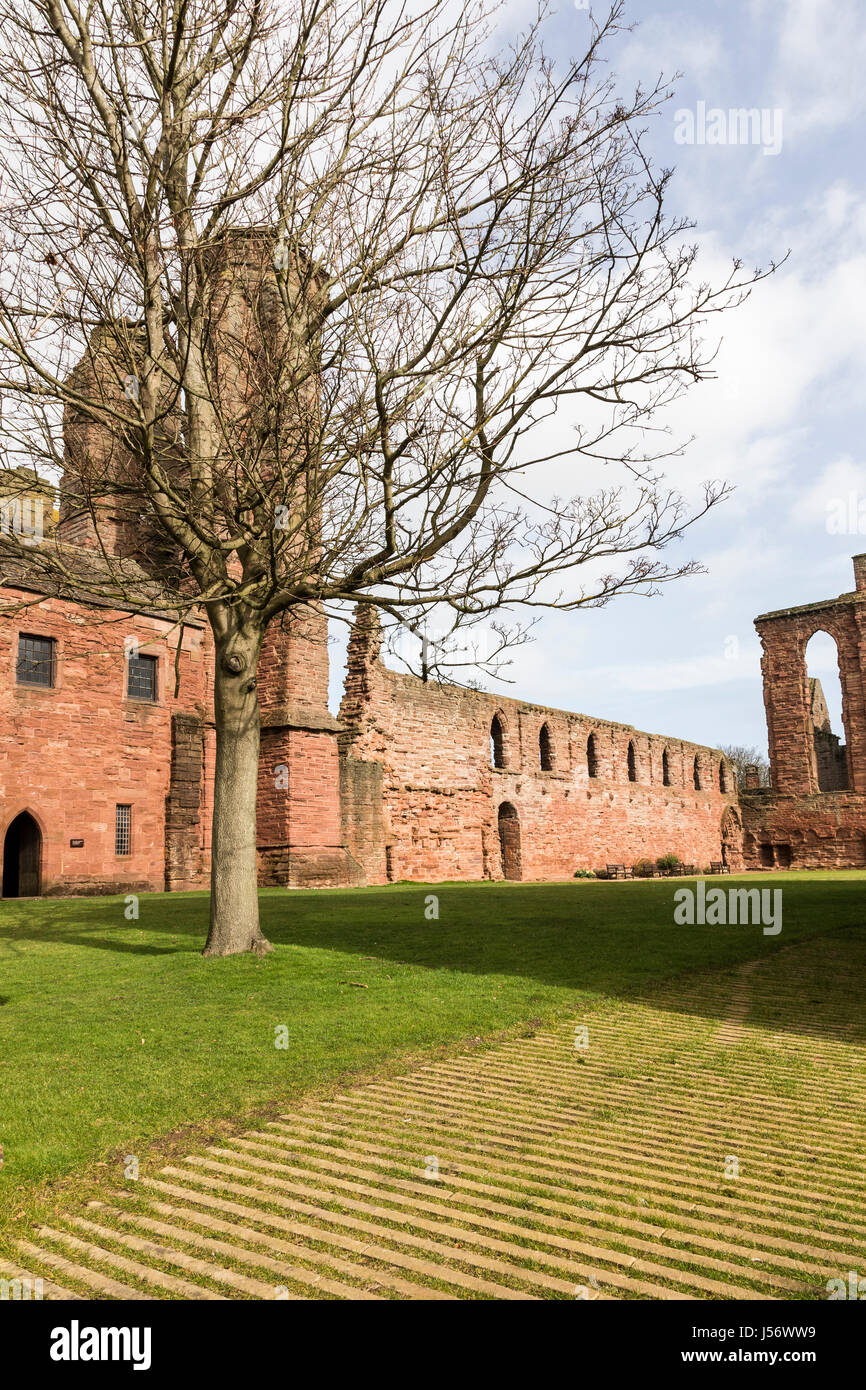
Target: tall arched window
column 497, row 743
column 723, row 778
column 697, row 774
column 826, row 713
column 545, row 749
column 632, row 765
column 592, row 756
column 666, row 769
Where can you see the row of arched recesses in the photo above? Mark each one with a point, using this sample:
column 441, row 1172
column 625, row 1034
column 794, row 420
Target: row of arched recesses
column 497, row 746
column 22, row 858
column 546, row 763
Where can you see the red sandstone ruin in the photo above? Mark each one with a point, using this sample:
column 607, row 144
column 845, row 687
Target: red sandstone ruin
column 415, row 780
column 106, row 774
column 814, row 814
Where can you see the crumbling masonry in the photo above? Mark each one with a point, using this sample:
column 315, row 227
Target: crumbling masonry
column 106, row 758
column 814, row 814
column 414, row 780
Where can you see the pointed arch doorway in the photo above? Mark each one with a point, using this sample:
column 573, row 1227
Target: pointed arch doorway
column 22, row 858
column 509, row 841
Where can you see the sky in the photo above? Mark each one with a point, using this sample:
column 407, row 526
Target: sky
column 783, row 423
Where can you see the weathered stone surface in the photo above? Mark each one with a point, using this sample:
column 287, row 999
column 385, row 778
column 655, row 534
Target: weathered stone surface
column 70, row 754
column 431, row 801
column 815, row 815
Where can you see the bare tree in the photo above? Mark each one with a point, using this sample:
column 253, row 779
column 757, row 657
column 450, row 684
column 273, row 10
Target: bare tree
column 295, row 291
column 742, row 758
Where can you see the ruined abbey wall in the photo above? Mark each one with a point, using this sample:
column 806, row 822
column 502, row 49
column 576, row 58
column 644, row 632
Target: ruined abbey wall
column 415, row 780
column 422, row 800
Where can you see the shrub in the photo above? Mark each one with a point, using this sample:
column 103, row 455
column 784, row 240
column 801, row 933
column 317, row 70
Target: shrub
column 668, row 861
column 644, row 868
column 584, row 873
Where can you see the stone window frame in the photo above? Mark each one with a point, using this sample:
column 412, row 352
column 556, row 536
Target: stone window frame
column 631, row 761
column 593, row 757
column 500, row 750
column 25, row 632
column 156, row 649
column 546, row 752
column 123, row 829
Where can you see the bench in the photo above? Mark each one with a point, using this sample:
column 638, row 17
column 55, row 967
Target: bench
column 618, row 871
column 718, row 867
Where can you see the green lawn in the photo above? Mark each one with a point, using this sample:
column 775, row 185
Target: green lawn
column 113, row 1033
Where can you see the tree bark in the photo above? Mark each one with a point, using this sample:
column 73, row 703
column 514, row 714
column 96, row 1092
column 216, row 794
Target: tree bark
column 234, row 901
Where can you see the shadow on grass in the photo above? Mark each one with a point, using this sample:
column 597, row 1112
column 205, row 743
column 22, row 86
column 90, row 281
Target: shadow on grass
column 607, row 939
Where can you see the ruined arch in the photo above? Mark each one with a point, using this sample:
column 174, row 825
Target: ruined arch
column 828, row 751
column 732, row 839
column 22, row 857
column 784, row 636
column 508, row 823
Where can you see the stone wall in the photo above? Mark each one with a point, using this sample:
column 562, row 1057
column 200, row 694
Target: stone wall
column 71, row 753
column 185, row 854
column 815, row 815
column 821, row 831
column 437, row 815
column 299, row 823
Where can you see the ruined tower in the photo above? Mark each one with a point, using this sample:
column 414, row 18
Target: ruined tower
column 262, row 371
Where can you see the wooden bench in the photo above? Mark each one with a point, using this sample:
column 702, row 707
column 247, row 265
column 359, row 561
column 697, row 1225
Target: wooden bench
column 718, row 867
column 618, row 871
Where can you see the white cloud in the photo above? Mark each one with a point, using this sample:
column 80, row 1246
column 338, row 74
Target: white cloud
column 830, row 495
column 689, row 673
column 820, row 56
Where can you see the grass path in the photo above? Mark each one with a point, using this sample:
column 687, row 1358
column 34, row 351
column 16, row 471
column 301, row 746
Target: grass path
column 707, row 1143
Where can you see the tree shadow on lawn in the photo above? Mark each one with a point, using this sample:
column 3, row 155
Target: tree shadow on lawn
column 608, row 939
column 618, row 940
column 84, row 922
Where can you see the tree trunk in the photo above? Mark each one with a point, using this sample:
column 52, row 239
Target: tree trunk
column 234, row 901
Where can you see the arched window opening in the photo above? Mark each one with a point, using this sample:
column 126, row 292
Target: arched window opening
column 666, row 769
column 723, row 778
column 696, row 773
column 545, row 749
column 497, row 743
column 632, row 765
column 826, row 714
column 592, row 756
